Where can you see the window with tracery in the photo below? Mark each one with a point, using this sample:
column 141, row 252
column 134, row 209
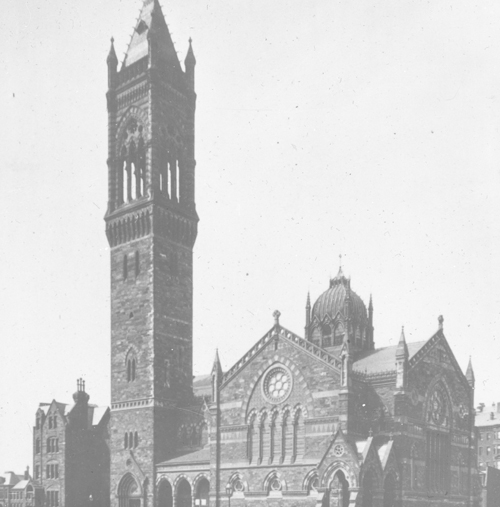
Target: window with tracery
column 132, row 164
column 131, row 365
column 338, row 338
column 438, row 442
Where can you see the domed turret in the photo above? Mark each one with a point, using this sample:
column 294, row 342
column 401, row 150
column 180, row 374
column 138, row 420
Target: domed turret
column 339, row 315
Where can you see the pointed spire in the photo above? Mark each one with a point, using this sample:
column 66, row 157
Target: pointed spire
column 402, row 349
column 308, row 317
column 370, row 304
column 470, row 374
column 112, row 62
column 151, row 37
column 217, row 368
column 112, row 59
column 216, row 377
column 189, row 64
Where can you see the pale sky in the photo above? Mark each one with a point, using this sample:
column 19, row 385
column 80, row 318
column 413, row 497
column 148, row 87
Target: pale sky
column 327, row 127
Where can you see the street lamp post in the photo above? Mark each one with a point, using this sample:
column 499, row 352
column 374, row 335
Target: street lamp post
column 229, row 492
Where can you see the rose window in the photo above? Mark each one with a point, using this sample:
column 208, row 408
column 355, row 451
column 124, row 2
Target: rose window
column 277, row 384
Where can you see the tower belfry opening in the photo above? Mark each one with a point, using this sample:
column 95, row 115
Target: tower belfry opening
column 151, row 225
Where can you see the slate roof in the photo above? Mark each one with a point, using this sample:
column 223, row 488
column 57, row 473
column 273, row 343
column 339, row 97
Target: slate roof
column 21, row 484
column 202, row 385
column 139, row 46
column 199, row 456
column 332, row 301
column 383, row 359
column 484, row 418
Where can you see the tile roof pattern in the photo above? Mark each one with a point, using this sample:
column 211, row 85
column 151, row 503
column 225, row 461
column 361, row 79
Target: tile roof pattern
column 383, row 359
column 202, row 385
column 488, row 417
column 199, row 456
column 151, row 14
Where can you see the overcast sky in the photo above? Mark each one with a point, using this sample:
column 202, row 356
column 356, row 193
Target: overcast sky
column 367, row 129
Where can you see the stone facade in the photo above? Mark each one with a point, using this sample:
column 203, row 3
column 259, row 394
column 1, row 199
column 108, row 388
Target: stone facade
column 71, row 453
column 325, row 419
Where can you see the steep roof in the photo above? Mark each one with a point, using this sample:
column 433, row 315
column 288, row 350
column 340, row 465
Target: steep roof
column 202, row 385
column 200, row 456
column 488, row 418
column 383, row 359
column 150, row 23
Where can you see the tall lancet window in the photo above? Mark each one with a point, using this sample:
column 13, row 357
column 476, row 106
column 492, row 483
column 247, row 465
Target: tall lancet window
column 132, row 164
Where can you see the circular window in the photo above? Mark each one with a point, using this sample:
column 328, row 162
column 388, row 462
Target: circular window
column 275, row 484
column 277, row 384
column 338, row 450
column 238, row 485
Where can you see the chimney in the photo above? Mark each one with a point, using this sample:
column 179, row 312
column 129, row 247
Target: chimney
column 492, row 415
column 480, row 407
column 498, row 407
column 27, row 473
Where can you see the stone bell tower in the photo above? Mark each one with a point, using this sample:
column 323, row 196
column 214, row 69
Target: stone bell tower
column 151, row 226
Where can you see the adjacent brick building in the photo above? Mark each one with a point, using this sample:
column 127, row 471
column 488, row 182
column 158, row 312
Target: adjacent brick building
column 71, row 452
column 324, row 418
column 488, row 430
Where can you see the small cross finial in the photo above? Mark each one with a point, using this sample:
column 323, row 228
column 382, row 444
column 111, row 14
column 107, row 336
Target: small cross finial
column 440, row 320
column 276, row 316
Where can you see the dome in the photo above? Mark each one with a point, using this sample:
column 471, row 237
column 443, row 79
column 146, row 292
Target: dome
column 332, row 302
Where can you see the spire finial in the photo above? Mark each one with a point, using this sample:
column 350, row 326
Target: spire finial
column 276, row 316
column 340, row 261
column 441, row 320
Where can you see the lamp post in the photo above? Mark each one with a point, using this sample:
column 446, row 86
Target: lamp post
column 229, row 492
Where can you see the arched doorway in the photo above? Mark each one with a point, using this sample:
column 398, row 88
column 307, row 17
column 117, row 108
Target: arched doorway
column 129, row 492
column 367, row 488
column 201, row 496
column 165, row 498
column 339, row 490
column 183, row 496
column 390, row 491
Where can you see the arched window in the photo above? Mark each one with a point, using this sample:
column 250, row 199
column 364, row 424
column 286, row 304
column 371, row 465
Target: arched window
column 137, row 264
column 131, row 362
column 165, row 498
column 367, row 489
column 201, row 496
column 183, row 496
column 272, row 437
column 413, row 469
column 129, row 492
column 327, row 335
column 298, row 425
column 38, row 422
column 262, row 436
column 390, row 490
column 136, row 439
column 50, row 422
column 339, row 334
column 37, row 446
column 273, row 484
column 339, row 489
column 250, row 438
column 438, row 440
column 125, row 441
column 284, row 434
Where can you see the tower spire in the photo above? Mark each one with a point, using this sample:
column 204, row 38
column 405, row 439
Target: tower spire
column 401, row 361
column 308, row 316
column 470, row 374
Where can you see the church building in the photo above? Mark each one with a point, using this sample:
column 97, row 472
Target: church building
column 320, row 419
